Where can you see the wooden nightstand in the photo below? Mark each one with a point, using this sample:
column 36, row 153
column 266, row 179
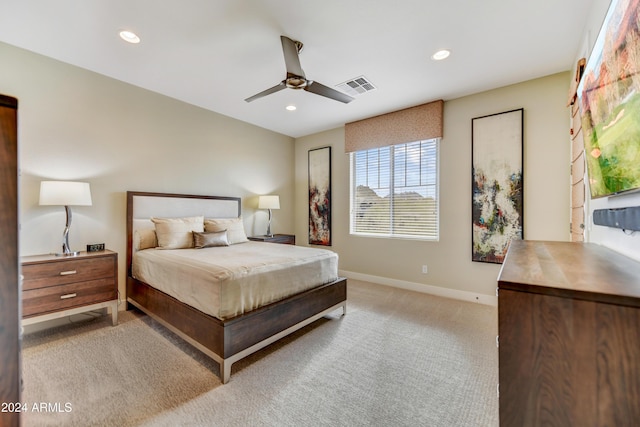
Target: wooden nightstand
column 58, row 286
column 286, row 239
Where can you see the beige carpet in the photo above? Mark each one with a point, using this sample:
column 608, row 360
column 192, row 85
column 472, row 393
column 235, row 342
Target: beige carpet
column 397, row 358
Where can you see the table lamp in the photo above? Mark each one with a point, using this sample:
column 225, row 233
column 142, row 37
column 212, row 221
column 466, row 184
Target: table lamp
column 67, row 194
column 269, row 202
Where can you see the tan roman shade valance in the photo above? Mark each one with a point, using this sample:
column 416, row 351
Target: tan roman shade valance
column 408, row 125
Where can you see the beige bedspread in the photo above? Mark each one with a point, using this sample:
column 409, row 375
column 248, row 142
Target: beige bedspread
column 230, row 280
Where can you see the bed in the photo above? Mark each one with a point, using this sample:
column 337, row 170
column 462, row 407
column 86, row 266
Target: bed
column 299, row 291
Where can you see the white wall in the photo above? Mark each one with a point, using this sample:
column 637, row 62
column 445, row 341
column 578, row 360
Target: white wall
column 450, row 269
column 616, row 239
column 77, row 125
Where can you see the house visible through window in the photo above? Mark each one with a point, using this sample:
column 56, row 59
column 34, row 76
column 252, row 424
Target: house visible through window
column 394, row 191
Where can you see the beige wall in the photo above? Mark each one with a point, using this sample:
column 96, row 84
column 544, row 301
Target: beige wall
column 546, row 190
column 78, row 125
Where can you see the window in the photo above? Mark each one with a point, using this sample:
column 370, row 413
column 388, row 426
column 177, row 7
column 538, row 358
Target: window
column 394, row 191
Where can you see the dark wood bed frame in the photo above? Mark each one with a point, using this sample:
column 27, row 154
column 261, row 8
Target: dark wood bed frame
column 227, row 341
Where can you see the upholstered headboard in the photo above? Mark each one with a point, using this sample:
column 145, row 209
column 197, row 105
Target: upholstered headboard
column 141, row 206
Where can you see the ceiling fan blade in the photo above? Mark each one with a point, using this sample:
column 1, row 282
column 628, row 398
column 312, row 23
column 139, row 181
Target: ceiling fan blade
column 269, row 91
column 322, row 90
column 291, row 59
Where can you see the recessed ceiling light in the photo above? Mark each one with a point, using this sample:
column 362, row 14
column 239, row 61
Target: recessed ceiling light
column 291, row 108
column 129, row 36
column 440, row 55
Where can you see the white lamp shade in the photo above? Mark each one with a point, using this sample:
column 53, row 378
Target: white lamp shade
column 65, row 193
column 269, row 202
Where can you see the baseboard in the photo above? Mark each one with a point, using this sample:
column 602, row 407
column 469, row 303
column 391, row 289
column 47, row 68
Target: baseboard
column 420, row 287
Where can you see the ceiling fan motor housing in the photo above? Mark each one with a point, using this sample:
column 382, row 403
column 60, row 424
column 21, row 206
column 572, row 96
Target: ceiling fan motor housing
column 296, row 82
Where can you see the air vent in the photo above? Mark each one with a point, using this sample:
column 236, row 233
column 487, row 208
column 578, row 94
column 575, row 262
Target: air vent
column 357, row 86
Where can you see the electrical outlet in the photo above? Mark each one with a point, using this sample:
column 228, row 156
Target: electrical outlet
column 424, row 269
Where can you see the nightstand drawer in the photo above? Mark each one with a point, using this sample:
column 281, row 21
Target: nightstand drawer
column 54, row 298
column 285, row 239
column 40, row 275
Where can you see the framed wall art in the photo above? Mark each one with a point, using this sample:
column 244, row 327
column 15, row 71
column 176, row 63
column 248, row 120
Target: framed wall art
column 320, row 196
column 497, row 184
column 609, row 100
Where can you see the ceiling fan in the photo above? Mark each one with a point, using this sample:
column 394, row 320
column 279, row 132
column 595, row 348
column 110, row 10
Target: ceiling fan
column 295, row 76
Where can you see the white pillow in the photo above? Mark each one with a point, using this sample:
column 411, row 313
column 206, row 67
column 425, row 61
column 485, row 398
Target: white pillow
column 177, row 233
column 145, row 239
column 234, row 227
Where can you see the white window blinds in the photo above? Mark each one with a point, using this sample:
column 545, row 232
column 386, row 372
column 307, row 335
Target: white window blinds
column 394, row 191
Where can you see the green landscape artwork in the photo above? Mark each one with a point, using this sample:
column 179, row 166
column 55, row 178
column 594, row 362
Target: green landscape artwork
column 609, row 100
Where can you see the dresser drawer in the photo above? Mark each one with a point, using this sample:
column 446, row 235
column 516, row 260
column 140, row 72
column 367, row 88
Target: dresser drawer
column 54, row 298
column 40, row 275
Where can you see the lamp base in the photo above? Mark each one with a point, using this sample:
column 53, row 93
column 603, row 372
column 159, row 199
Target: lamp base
column 66, row 251
column 73, row 253
column 269, row 233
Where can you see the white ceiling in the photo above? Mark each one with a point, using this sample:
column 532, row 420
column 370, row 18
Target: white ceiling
column 216, row 53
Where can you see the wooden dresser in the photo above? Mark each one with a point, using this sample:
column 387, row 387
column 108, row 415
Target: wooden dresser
column 569, row 336
column 58, row 286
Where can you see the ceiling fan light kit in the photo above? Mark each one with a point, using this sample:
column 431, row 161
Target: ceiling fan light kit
column 296, row 79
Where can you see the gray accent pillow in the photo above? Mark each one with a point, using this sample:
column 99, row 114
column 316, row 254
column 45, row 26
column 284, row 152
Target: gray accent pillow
column 210, row 239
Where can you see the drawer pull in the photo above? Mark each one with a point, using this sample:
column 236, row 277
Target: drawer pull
column 68, row 273
column 67, row 296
